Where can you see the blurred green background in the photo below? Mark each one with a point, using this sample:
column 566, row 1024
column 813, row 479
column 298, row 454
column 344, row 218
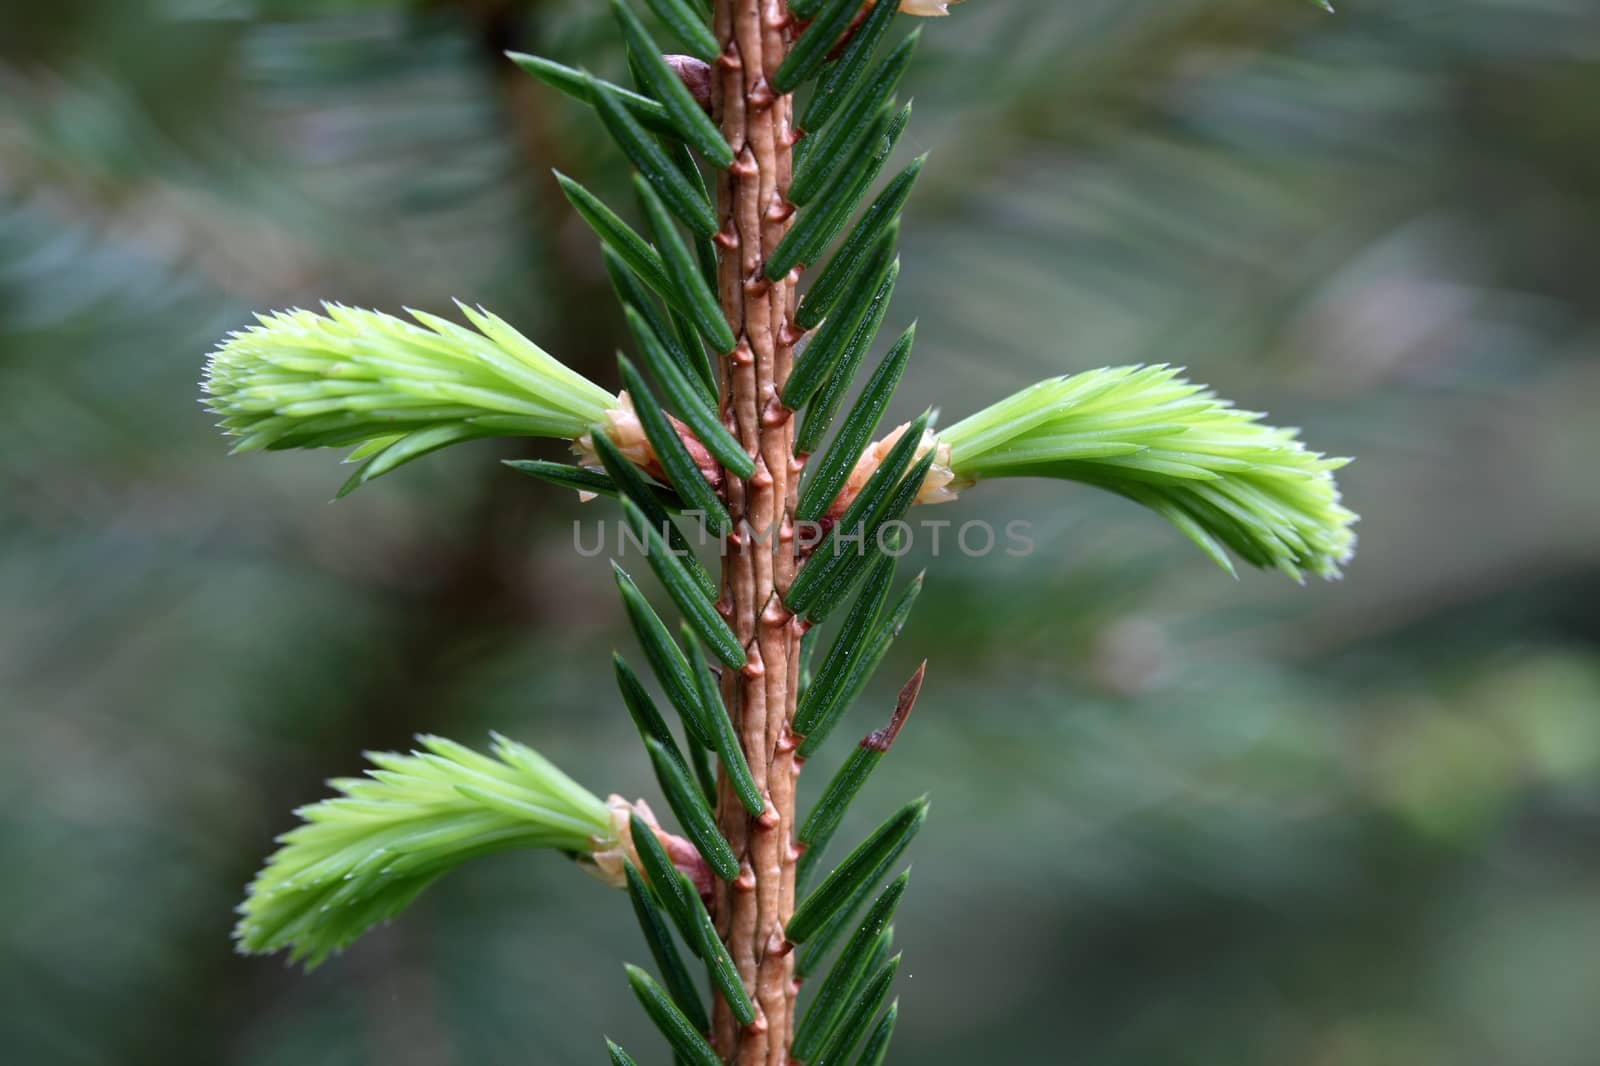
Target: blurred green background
column 1177, row 819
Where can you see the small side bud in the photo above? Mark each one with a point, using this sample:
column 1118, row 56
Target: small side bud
column 623, row 429
column 696, row 77
column 938, row 487
column 933, row 8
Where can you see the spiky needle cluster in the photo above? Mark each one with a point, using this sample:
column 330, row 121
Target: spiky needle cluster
column 749, row 436
column 395, row 389
column 1209, row 468
column 361, row 857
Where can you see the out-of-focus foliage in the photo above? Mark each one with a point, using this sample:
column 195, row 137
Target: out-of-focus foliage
column 1179, row 819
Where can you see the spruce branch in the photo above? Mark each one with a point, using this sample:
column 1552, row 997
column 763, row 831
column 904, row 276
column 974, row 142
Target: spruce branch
column 724, row 443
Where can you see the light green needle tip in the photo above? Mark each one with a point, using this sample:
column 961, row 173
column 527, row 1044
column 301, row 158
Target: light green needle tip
column 1217, row 473
column 393, row 389
column 360, row 857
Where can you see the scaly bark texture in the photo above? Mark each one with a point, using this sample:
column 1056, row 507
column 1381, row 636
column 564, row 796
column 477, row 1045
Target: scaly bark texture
column 758, row 563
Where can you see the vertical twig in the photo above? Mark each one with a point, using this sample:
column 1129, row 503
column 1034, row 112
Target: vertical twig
column 759, row 563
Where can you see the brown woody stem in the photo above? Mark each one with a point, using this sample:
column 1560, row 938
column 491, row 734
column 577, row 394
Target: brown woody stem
column 759, row 562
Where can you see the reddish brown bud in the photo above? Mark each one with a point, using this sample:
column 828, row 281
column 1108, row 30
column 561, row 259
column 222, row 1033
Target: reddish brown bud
column 696, row 77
